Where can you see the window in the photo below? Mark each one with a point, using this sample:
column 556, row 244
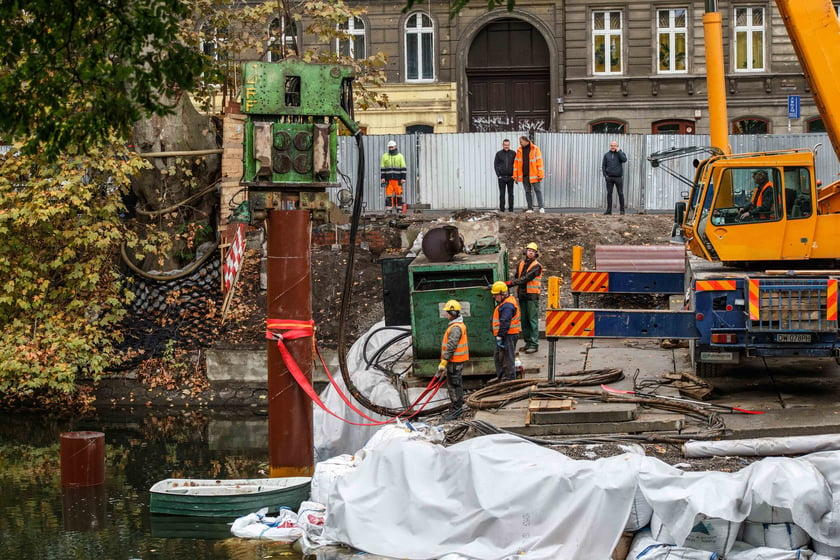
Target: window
column 749, row 39
column 420, row 129
column 419, row 48
column 750, row 126
column 815, row 125
column 281, row 40
column 608, row 127
column 606, row 42
column 672, row 33
column 214, row 42
column 673, row 126
column 353, row 45
column 750, row 195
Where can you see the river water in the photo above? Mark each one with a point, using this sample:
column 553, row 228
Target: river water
column 39, row 520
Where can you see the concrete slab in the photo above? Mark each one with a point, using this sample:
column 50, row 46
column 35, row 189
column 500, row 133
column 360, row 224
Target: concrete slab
column 514, row 420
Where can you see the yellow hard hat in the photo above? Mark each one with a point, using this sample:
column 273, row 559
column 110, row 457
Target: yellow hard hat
column 498, row 288
column 532, row 245
column 452, row 305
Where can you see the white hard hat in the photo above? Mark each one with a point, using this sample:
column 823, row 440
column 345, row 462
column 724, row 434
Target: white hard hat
column 392, row 144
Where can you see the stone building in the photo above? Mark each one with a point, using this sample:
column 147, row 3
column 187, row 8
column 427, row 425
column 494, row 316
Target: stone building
column 577, row 66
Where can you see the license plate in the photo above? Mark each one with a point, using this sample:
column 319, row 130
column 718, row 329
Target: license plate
column 721, row 357
column 801, row 338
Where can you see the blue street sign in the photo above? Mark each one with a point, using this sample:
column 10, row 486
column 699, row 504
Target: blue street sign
column 793, row 106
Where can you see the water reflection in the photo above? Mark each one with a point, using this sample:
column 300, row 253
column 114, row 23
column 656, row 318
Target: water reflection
column 39, row 519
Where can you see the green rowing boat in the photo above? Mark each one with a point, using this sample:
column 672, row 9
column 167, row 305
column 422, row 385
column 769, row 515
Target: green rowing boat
column 227, row 498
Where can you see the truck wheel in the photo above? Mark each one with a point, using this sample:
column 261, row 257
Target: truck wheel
column 706, row 370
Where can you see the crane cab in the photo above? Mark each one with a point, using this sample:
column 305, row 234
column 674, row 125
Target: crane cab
column 758, row 207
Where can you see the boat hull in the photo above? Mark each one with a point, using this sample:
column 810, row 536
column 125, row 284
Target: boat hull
column 227, row 498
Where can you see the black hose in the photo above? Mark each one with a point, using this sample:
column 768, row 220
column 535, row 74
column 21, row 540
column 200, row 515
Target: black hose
column 345, row 300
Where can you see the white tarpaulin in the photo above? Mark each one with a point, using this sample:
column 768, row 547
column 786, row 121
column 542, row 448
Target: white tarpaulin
column 490, row 498
column 497, row 497
column 333, row 436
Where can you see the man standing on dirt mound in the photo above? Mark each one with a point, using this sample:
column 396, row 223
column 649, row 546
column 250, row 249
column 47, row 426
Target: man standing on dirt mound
column 392, row 175
column 529, row 286
column 528, row 170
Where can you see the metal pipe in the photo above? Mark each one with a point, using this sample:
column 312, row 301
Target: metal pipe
column 289, row 293
column 552, row 355
column 185, row 153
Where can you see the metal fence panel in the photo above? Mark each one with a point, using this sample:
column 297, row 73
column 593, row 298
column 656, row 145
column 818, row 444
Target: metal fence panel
column 662, row 190
column 454, row 171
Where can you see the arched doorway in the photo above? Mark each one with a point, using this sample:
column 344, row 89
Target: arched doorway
column 509, row 78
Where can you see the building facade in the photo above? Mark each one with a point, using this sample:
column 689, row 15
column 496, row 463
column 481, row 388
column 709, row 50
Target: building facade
column 577, row 66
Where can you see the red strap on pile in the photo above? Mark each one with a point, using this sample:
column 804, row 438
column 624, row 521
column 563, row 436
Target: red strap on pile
column 292, row 330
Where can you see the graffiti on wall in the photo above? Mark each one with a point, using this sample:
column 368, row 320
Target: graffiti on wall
column 502, row 123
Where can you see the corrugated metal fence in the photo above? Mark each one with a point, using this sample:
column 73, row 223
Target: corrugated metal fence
column 454, row 171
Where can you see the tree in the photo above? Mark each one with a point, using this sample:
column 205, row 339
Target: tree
column 232, row 32
column 74, row 73
column 61, row 297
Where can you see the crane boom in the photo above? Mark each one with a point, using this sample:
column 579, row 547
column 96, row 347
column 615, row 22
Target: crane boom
column 814, row 30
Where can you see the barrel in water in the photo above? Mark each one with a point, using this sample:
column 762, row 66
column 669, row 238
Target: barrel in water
column 82, row 459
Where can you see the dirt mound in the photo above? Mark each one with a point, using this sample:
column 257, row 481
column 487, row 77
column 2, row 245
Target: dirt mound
column 555, row 234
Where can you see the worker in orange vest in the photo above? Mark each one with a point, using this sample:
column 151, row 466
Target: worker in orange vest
column 506, row 328
column 454, row 353
column 762, row 203
column 529, row 281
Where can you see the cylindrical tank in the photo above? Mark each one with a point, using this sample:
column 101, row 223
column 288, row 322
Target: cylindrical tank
column 82, row 459
column 443, row 243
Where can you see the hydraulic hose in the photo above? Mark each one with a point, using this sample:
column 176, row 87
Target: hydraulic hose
column 346, row 296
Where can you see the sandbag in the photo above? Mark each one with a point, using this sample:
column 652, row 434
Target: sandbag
column 640, row 513
column 784, row 536
column 645, row 547
column 707, row 533
column 326, row 474
column 825, row 549
column 282, row 528
column 764, row 513
column 744, row 551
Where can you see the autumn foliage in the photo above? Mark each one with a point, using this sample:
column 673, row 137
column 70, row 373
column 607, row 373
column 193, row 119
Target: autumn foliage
column 61, row 294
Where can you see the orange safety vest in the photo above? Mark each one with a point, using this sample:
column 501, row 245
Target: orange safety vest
column 533, row 286
column 536, row 173
column 758, row 199
column 462, row 351
column 515, row 323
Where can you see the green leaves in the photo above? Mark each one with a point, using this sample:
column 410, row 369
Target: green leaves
column 61, row 297
column 71, row 74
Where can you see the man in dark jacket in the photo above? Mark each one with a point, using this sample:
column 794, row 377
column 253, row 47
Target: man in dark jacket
column 613, row 168
column 503, row 165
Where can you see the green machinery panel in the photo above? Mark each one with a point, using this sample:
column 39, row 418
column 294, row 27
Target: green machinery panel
column 464, row 278
column 293, row 109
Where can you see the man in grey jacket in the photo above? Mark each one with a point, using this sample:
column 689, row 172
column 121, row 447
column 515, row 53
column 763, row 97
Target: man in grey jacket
column 613, row 168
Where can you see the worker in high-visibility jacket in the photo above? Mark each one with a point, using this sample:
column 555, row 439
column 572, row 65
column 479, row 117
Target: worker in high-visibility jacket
column 506, row 329
column 392, row 174
column 454, row 353
column 528, row 280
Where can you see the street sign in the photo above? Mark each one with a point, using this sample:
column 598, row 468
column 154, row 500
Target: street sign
column 793, row 106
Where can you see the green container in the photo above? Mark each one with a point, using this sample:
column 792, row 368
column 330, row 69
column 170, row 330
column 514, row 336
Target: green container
column 464, row 278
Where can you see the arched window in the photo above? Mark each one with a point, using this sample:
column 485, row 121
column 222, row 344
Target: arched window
column 672, row 126
column 420, row 129
column 214, row 41
column 751, row 125
column 608, row 126
column 281, row 40
column 419, row 48
column 354, row 45
column 815, row 125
